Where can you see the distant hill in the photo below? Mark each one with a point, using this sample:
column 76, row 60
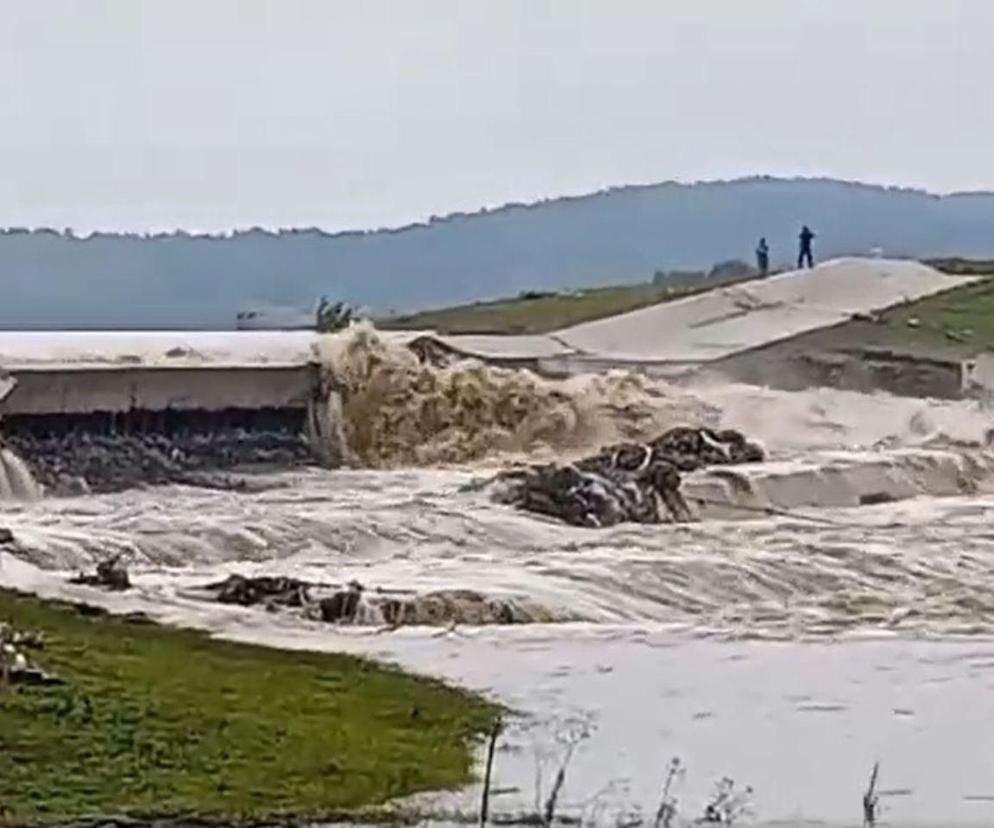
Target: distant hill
column 51, row 279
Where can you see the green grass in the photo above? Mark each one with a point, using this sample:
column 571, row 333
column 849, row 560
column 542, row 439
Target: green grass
column 952, row 325
column 955, row 324
column 545, row 314
column 963, row 267
column 156, row 721
column 959, row 322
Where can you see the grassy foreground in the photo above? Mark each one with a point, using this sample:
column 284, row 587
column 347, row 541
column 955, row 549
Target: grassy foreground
column 544, row 313
column 155, row 721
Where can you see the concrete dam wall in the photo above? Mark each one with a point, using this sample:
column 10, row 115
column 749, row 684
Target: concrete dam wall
column 107, row 427
column 136, row 398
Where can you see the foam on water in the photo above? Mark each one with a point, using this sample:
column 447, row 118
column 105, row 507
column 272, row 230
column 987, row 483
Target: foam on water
column 398, row 411
column 918, row 560
column 16, row 480
column 920, row 564
column 822, row 418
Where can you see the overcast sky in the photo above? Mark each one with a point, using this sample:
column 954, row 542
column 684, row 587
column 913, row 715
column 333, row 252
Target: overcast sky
column 213, row 114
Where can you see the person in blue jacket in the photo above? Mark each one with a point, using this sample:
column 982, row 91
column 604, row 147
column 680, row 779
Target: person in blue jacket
column 763, row 257
column 805, row 252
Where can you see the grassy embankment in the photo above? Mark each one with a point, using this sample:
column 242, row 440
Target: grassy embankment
column 544, row 313
column 954, row 324
column 957, row 323
column 155, row 721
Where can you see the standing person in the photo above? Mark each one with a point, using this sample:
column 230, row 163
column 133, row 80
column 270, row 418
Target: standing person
column 805, row 253
column 763, row 257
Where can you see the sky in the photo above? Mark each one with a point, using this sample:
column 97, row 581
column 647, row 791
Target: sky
column 218, row 114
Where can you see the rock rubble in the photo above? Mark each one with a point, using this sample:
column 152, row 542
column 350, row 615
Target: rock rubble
column 354, row 604
column 626, row 482
column 15, row 666
column 111, row 574
column 80, row 463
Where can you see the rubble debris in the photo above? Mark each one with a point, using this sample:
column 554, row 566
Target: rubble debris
column 20, row 638
column 584, row 497
column 111, row 574
column 343, row 605
column 354, row 604
column 81, row 462
column 430, row 351
column 272, row 591
column 15, row 668
column 692, row 448
column 6, row 536
column 445, row 607
column 627, row 482
column 873, row 317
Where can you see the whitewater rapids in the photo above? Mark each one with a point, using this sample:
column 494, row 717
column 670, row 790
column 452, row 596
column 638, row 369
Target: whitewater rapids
column 920, row 560
column 887, row 536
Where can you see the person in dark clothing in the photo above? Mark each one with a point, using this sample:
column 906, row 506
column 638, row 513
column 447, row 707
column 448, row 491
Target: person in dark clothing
column 763, row 257
column 805, row 252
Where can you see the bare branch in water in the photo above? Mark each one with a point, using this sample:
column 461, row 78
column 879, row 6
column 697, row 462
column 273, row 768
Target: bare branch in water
column 666, row 812
column 485, row 803
column 871, row 799
column 573, row 738
column 550, row 806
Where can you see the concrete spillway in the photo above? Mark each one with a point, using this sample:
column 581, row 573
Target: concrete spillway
column 86, row 426
column 109, row 398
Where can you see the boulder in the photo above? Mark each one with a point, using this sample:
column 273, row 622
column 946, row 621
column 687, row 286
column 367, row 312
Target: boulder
column 111, row 574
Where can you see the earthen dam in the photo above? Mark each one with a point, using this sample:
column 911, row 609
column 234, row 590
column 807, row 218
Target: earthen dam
column 184, row 404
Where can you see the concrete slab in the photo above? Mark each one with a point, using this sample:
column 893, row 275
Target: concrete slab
column 77, row 349
column 81, row 389
column 727, row 320
column 149, row 348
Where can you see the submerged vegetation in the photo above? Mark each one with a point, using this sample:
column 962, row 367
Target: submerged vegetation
column 149, row 721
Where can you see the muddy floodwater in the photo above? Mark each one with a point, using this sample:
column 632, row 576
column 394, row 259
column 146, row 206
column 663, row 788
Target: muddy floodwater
column 788, row 656
column 801, row 724
column 837, row 613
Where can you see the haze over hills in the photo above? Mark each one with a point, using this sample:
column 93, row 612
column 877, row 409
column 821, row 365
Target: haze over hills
column 54, row 279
